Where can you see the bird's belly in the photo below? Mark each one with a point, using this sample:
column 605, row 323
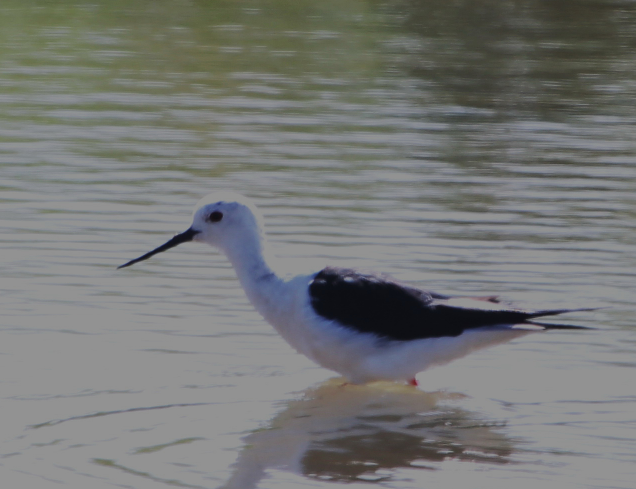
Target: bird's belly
column 364, row 357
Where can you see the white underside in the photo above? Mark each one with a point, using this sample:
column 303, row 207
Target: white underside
column 363, row 357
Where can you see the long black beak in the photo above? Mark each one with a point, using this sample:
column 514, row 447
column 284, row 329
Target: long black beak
column 184, row 237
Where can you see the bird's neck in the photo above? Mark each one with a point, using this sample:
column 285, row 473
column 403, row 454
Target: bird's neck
column 248, row 260
column 262, row 285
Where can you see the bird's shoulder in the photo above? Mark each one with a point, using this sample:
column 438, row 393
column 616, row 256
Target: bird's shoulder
column 371, row 303
column 347, row 284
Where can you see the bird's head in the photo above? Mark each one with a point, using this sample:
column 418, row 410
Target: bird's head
column 222, row 219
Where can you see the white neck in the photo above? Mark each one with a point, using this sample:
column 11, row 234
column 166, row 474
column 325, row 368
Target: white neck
column 275, row 298
column 262, row 285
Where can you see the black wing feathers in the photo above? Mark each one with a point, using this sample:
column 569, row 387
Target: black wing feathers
column 390, row 310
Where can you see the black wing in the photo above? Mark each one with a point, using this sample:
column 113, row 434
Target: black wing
column 394, row 311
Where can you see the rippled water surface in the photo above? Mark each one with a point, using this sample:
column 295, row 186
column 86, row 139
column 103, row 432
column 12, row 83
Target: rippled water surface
column 466, row 147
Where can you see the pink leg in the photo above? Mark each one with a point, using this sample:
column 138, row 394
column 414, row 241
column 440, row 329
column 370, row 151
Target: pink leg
column 413, row 382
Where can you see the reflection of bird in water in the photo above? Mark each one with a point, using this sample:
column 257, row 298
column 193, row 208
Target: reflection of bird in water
column 365, row 327
column 366, row 433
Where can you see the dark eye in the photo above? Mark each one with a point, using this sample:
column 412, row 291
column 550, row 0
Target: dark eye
column 215, row 216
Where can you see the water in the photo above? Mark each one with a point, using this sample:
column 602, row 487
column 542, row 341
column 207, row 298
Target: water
column 468, row 148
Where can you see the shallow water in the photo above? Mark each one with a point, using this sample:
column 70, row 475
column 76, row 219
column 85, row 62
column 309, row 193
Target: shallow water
column 466, row 148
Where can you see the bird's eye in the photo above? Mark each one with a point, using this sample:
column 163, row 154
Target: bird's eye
column 215, row 216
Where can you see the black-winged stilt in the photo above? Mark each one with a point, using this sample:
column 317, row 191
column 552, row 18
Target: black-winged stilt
column 365, row 327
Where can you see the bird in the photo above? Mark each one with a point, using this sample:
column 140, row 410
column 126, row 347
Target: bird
column 364, row 326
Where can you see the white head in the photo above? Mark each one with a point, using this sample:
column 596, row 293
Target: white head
column 226, row 220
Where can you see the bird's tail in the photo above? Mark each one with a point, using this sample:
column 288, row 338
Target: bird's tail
column 554, row 312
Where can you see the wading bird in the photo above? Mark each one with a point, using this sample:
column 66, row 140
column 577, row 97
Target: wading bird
column 365, row 327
